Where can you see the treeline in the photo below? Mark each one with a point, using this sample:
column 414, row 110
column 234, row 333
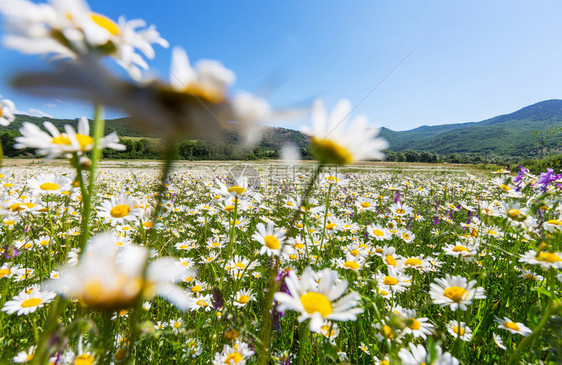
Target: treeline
column 432, row 157
column 144, row 148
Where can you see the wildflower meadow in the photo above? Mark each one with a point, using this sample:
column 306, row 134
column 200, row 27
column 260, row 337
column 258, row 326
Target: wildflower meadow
column 331, row 261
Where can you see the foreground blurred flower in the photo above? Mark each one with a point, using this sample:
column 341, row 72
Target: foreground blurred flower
column 7, row 109
column 69, row 29
column 56, row 143
column 194, row 105
column 331, row 144
column 109, row 279
column 319, row 302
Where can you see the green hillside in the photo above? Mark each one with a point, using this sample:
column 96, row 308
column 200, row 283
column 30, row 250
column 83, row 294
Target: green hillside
column 509, row 135
column 504, row 135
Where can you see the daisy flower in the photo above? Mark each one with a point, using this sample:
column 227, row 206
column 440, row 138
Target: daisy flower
column 461, row 331
column 120, row 209
column 243, row 297
column 319, row 302
column 233, row 355
column 417, row 326
column 455, row 292
column 55, row 143
column 28, row 302
column 49, row 184
column 330, row 144
column 418, row 355
column 395, row 281
column 498, row 341
column 7, row 109
column 25, row 356
column 546, row 260
column 69, row 29
column 272, row 240
column 513, row 327
column 121, row 281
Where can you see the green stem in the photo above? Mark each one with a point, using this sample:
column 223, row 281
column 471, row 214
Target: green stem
column 99, row 126
column 42, row 352
column 304, row 340
column 265, row 334
column 530, row 340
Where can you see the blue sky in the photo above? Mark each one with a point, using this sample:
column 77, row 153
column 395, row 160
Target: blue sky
column 471, row 60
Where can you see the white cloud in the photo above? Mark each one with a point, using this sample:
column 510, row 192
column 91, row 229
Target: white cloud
column 34, row 113
column 50, row 105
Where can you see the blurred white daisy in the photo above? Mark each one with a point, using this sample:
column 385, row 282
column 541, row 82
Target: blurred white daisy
column 55, row 143
column 7, row 109
column 331, row 144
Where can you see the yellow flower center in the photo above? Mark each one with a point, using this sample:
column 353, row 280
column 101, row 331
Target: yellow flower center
column 237, row 189
column 16, row 207
column 406, row 236
column 233, row 357
column 458, row 330
column 176, row 325
column 330, row 226
column 196, row 288
column 389, row 280
column 202, row 303
column 511, row 326
column 460, row 249
column 31, row 302
column 298, row 246
column 4, row 272
column 83, row 140
column 243, row 299
column 378, row 233
column 229, row 208
column 84, row 359
column 330, row 152
column 120, row 211
column 414, row 324
column 387, row 332
column 413, row 262
column 271, row 242
column 455, row 293
column 210, row 94
column 365, row 204
column 513, row 213
column 316, row 302
column 351, row 265
column 105, row 23
column 548, row 257
column 354, row 252
column 390, row 260
column 400, row 211
column 49, row 186
column 148, row 224
column 554, row 222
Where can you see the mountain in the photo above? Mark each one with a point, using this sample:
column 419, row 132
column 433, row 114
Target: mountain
column 509, row 135
column 504, row 135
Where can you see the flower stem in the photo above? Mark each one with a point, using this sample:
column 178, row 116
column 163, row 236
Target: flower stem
column 265, row 334
column 530, row 340
column 99, row 126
